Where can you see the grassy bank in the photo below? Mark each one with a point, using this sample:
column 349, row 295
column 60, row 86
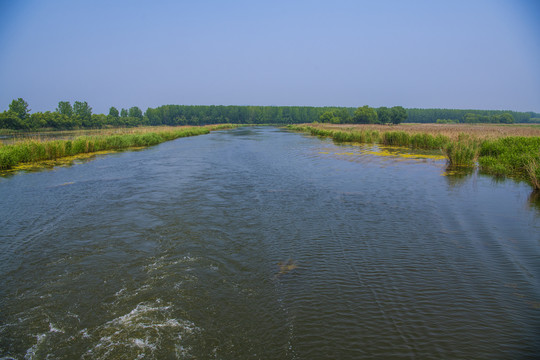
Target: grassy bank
column 452, row 131
column 496, row 152
column 35, row 150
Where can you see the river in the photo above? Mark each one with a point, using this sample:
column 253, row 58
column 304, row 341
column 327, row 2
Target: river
column 259, row 243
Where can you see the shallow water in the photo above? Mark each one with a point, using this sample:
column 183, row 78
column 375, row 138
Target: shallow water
column 262, row 243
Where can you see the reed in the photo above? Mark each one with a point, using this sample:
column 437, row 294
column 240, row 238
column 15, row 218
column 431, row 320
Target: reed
column 35, row 150
column 461, row 153
column 369, row 135
column 511, row 156
column 396, row 138
column 451, row 131
column 533, row 172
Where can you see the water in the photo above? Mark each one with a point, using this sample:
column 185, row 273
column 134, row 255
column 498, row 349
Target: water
column 258, row 243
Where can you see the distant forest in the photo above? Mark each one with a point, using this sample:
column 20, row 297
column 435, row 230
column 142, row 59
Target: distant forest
column 80, row 116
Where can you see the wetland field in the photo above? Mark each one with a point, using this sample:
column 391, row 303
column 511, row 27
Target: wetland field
column 267, row 243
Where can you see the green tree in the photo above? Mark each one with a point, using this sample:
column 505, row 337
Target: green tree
column 20, row 107
column 123, row 113
column 507, row 118
column 10, row 120
column 65, row 108
column 135, row 112
column 82, row 110
column 343, row 115
column 326, row 117
column 113, row 112
column 384, row 114
column 470, row 118
column 365, row 115
column 399, row 115
column 98, row 120
column 36, row 121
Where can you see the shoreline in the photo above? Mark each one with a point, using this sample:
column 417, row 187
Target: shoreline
column 34, row 151
column 501, row 154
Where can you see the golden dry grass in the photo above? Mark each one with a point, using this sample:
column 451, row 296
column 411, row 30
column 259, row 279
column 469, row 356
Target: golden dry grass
column 453, row 131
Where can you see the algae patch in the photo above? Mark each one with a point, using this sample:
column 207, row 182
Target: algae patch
column 49, row 164
column 286, row 266
column 397, row 153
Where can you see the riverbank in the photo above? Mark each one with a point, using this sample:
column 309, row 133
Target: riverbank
column 509, row 151
column 36, row 149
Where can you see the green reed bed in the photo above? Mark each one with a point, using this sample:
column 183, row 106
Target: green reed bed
column 516, row 157
column 34, row 151
column 512, row 156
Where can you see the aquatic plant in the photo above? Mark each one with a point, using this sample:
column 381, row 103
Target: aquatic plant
column 533, row 171
column 496, row 154
column 34, row 150
column 512, row 152
column 451, row 131
column 428, row 141
column 512, row 156
column 463, row 152
column 396, row 138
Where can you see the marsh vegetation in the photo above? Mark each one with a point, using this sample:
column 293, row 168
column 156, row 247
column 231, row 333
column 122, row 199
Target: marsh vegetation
column 510, row 151
column 37, row 148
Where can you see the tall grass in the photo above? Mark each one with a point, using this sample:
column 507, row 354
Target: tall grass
column 34, row 151
column 511, row 156
column 463, row 152
column 533, row 172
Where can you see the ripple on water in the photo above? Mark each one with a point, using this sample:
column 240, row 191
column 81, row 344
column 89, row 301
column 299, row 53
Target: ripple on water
column 265, row 246
column 140, row 333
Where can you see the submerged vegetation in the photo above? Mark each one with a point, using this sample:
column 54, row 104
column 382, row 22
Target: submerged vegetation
column 511, row 156
column 35, row 150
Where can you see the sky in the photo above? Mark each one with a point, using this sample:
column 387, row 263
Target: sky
column 462, row 54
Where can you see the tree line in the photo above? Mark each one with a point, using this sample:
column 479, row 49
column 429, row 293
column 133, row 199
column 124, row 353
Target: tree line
column 80, row 116
column 67, row 117
column 202, row 114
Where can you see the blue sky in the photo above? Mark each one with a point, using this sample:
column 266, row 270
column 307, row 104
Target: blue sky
column 481, row 54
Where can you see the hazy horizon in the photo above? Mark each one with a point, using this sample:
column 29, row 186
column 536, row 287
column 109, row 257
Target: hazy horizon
column 421, row 54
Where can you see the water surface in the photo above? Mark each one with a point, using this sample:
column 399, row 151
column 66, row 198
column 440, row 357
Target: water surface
column 258, row 243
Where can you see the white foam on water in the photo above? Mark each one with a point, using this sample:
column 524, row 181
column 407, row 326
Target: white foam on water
column 140, row 343
column 84, row 333
column 158, row 264
column 54, row 329
column 139, row 331
column 190, row 258
column 161, row 262
column 31, row 352
column 181, row 351
column 119, row 292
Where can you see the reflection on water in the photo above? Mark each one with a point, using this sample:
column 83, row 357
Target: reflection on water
column 534, row 199
column 261, row 243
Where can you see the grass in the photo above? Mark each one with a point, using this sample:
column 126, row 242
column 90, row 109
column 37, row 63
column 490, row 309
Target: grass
column 451, row 131
column 512, row 157
column 36, row 150
column 497, row 150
